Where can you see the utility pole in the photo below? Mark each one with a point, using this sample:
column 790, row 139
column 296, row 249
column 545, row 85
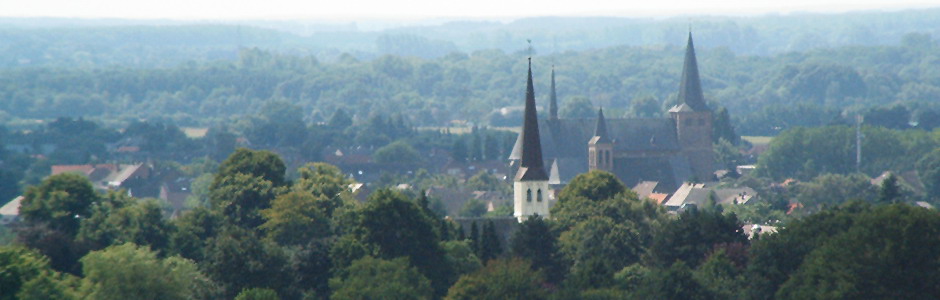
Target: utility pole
column 858, row 143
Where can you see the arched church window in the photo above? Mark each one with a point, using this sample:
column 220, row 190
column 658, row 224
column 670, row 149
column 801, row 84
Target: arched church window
column 539, row 199
column 528, row 195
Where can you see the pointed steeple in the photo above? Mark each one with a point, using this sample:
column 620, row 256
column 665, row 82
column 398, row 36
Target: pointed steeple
column 553, row 106
column 600, row 129
column 531, row 168
column 690, row 88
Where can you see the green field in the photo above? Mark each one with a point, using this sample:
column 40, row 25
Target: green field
column 758, row 140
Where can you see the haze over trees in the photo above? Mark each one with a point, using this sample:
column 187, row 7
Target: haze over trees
column 272, row 221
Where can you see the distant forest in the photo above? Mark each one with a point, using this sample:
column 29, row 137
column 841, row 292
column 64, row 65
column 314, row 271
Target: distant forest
column 771, row 72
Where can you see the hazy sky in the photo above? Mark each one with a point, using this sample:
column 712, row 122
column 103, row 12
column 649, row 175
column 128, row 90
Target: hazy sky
column 420, row 9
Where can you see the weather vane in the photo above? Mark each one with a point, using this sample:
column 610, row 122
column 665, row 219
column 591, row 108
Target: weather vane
column 529, row 41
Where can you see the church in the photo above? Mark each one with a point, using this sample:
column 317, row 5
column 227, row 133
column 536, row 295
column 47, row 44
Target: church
column 668, row 151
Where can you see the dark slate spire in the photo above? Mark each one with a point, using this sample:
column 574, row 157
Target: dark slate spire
column 532, row 168
column 553, row 106
column 690, row 88
column 600, row 129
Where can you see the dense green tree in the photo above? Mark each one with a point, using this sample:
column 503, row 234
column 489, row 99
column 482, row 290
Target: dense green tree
column 238, row 259
column 192, row 230
column 240, row 198
column 692, row 236
column 578, row 107
column 885, row 254
column 340, row 120
column 534, row 241
column 722, row 128
column 720, row 276
column 461, row 256
column 295, row 219
column 472, row 208
column 118, row 219
column 894, row 117
column 310, row 268
column 257, row 294
column 890, row 191
column 672, row 282
column 490, row 247
column 928, row 168
column 19, row 265
column 491, row 149
column 459, row 150
column 50, row 285
column 775, row 257
column 397, row 152
column 61, row 201
column 500, row 279
column 397, row 227
column 262, row 164
column 645, row 107
column 374, row 278
column 131, row 272
column 597, row 248
column 595, row 185
column 833, row 189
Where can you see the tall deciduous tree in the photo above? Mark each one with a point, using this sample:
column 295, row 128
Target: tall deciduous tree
column 238, row 259
column 241, row 197
column 692, row 236
column 60, row 201
column 295, row 219
column 374, row 278
column 397, row 227
column 500, row 279
column 131, row 272
column 535, row 242
column 263, row 164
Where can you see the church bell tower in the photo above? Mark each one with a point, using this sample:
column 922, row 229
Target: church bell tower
column 694, row 119
column 530, row 186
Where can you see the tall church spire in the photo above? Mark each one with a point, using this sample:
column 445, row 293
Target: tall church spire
column 600, row 129
column 690, row 88
column 553, row 106
column 531, row 168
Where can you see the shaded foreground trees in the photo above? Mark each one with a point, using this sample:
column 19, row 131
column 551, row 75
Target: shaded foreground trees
column 308, row 239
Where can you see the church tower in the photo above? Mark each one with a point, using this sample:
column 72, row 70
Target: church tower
column 601, row 147
column 694, row 119
column 530, row 186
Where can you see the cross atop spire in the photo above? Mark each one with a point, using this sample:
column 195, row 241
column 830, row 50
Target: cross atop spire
column 532, row 167
column 553, row 105
column 690, row 88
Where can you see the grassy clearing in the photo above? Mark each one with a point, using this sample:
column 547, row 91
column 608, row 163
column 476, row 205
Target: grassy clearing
column 758, row 140
column 195, row 132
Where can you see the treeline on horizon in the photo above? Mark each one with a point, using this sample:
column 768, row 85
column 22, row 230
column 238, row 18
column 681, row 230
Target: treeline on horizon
column 893, row 86
column 260, row 235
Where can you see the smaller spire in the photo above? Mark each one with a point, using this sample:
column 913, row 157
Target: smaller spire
column 690, row 86
column 600, row 129
column 553, row 105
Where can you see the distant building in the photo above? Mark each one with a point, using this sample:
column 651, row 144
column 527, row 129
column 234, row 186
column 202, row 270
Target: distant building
column 669, row 151
column 10, row 211
column 112, row 176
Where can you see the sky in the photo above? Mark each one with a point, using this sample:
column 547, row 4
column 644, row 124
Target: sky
column 341, row 10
